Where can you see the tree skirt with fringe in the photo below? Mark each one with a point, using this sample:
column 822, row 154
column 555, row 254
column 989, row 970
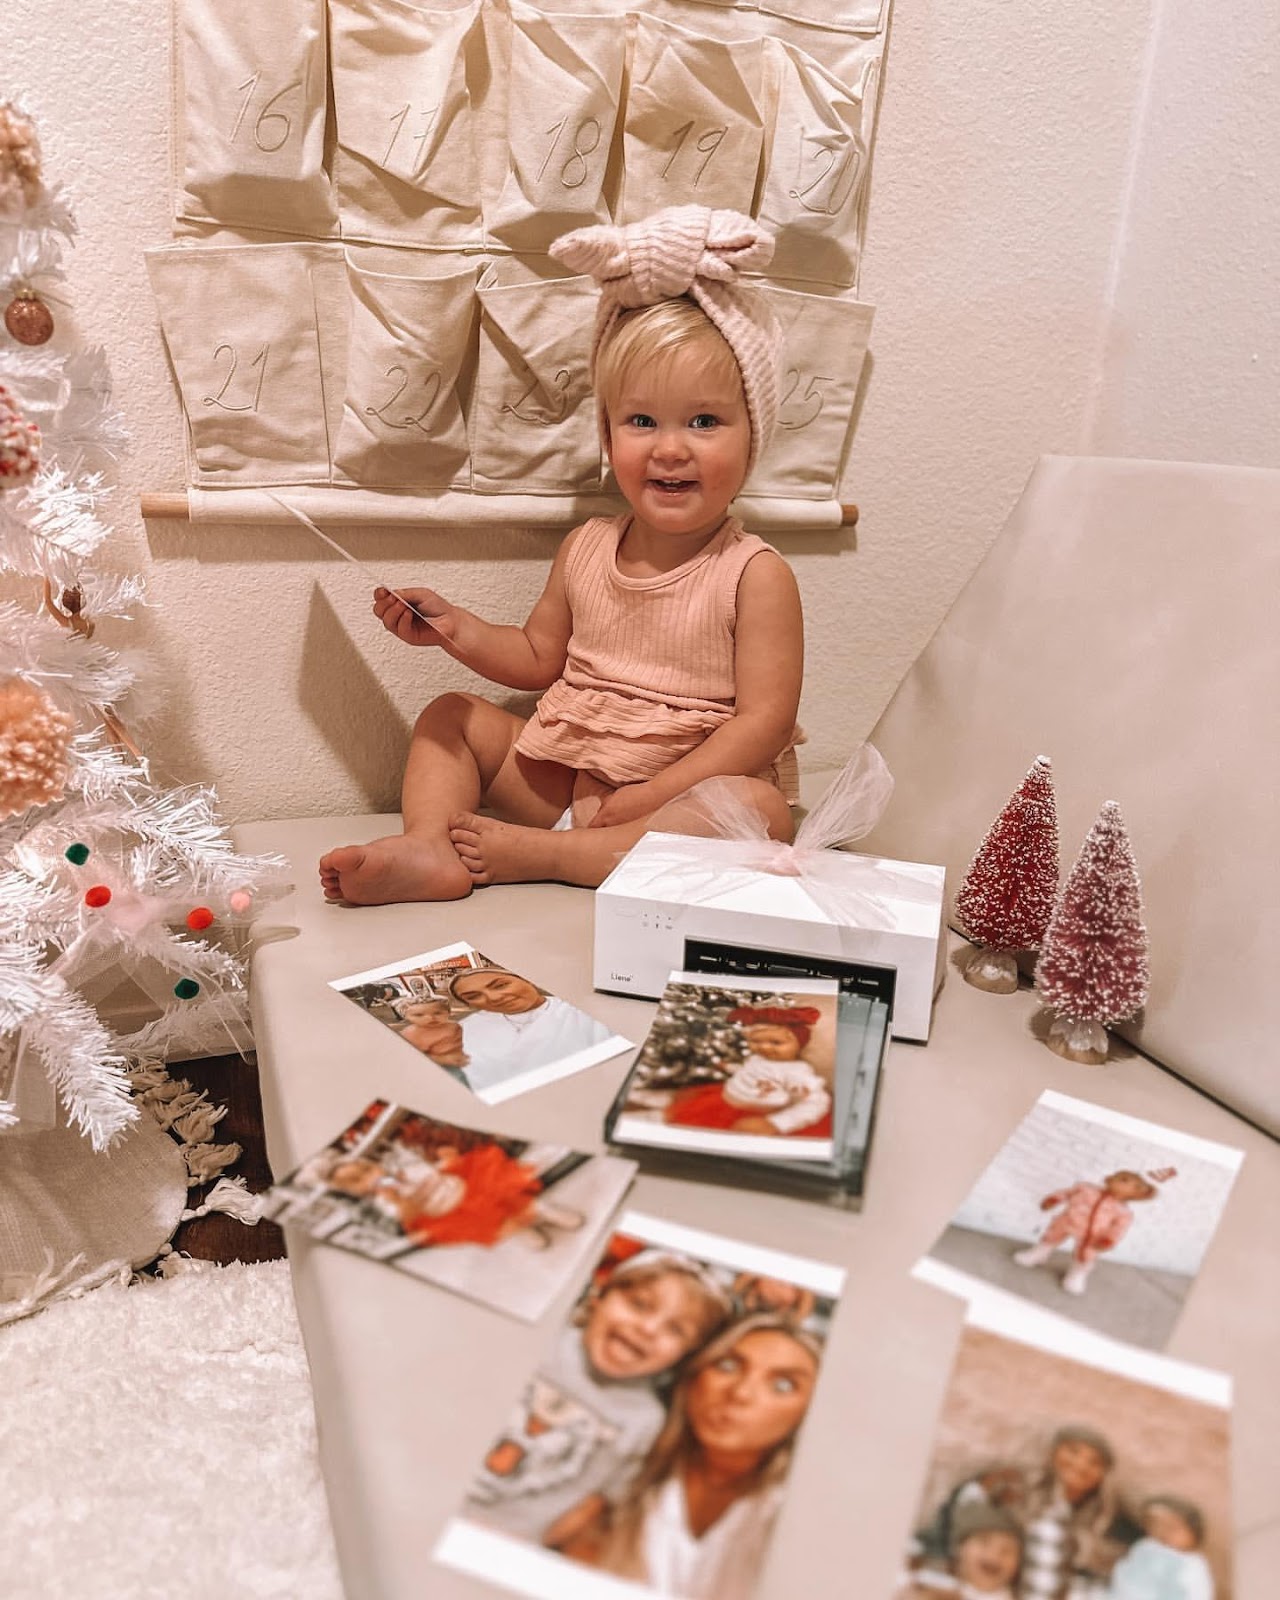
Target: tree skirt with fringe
column 160, row 1440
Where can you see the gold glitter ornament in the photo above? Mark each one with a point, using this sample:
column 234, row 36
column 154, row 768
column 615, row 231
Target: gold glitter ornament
column 34, row 736
column 28, row 319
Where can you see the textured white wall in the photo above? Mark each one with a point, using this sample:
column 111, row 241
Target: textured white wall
column 1192, row 361
column 998, row 191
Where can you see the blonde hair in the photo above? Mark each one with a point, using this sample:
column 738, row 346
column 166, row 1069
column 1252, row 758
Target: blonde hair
column 653, row 337
column 675, row 1445
column 714, row 1305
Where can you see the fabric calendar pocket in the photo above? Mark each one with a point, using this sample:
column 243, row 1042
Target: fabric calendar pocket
column 243, row 333
column 564, row 81
column 533, row 416
column 251, row 121
column 824, row 346
column 405, row 165
column 693, row 128
column 818, row 165
column 411, row 343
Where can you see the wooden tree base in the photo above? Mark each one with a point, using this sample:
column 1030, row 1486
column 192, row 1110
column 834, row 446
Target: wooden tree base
column 1086, row 1042
column 992, row 971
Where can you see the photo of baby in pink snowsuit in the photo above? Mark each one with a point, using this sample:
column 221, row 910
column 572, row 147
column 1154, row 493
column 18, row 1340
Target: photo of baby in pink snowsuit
column 1094, row 1217
column 1129, row 1207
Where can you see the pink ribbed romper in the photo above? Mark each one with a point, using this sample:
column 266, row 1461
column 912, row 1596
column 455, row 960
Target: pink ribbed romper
column 650, row 668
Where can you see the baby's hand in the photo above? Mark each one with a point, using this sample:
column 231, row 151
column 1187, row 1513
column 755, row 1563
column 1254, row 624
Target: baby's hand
column 429, row 619
column 628, row 804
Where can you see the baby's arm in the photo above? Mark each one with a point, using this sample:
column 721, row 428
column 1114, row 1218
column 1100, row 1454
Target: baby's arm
column 768, row 669
column 528, row 657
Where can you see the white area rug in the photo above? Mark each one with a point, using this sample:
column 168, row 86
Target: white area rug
column 159, row 1441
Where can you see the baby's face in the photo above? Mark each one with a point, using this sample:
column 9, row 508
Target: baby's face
column 774, row 1041
column 989, row 1560
column 1079, row 1468
column 426, row 1011
column 1164, row 1523
column 635, row 1330
column 1126, row 1186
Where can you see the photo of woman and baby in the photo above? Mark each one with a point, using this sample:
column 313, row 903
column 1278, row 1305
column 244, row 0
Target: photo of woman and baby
column 653, row 1444
column 489, row 1028
column 1091, row 1487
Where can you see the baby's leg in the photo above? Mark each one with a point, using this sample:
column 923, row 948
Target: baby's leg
column 504, row 852
column 461, row 744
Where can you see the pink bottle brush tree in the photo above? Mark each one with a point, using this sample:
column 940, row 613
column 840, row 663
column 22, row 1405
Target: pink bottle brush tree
column 1006, row 898
column 1093, row 966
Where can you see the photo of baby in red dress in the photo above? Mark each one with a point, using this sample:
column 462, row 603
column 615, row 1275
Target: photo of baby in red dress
column 747, row 1071
column 501, row 1220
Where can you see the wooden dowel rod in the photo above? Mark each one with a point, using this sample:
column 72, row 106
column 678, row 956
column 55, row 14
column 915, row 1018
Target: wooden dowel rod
column 165, row 505
column 158, row 506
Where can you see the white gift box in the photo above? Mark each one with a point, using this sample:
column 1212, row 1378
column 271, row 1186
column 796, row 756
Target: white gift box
column 673, row 887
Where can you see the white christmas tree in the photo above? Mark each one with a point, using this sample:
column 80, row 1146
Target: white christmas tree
column 106, row 879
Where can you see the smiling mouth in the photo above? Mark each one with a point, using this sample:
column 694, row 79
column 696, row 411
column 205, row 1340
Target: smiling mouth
column 672, row 485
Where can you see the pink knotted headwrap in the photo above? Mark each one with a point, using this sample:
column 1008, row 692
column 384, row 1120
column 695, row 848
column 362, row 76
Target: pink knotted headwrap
column 693, row 251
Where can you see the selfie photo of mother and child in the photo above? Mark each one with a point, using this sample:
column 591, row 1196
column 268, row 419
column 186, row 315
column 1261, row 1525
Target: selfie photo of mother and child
column 491, row 1029
column 653, row 1443
column 1054, row 1480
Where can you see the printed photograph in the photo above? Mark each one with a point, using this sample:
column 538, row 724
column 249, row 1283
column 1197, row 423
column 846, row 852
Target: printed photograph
column 740, row 1068
column 653, row 1444
column 503, row 1221
column 1096, row 1216
column 1056, row 1479
column 493, row 1030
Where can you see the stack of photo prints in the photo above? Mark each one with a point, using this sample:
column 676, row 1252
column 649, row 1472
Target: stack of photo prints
column 760, row 1069
column 649, row 1451
column 1071, row 1461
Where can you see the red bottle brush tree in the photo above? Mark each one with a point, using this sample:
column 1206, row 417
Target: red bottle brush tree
column 1007, row 895
column 1093, row 967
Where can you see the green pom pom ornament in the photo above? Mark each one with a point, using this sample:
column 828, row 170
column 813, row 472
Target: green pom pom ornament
column 186, row 988
column 77, row 854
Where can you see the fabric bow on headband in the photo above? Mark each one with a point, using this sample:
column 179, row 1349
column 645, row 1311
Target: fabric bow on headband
column 693, row 251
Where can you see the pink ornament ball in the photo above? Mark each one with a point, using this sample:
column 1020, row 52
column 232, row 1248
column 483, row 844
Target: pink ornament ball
column 240, row 902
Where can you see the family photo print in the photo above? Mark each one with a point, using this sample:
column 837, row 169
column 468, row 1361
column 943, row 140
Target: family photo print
column 1070, row 1467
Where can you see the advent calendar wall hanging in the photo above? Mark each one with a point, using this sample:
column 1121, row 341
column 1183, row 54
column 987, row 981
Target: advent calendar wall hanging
column 360, row 310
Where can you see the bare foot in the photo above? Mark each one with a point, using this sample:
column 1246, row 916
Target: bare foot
column 504, row 852
column 400, row 867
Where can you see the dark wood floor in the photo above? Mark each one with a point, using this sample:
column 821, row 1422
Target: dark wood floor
column 233, row 1083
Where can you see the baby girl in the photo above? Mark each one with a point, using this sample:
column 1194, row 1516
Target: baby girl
column 1094, row 1217
column 773, row 1090
column 668, row 642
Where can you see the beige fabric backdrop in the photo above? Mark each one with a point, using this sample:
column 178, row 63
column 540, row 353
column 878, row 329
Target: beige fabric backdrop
column 1123, row 624
column 457, row 134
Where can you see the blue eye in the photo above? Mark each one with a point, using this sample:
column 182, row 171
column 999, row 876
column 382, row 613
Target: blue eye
column 704, row 419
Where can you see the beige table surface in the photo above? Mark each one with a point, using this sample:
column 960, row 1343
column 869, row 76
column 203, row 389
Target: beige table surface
column 412, row 1383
